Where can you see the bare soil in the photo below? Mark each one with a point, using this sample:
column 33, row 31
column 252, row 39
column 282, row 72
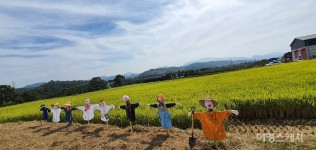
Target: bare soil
column 42, row 135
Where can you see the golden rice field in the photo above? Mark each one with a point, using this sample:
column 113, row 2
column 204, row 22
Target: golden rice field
column 286, row 91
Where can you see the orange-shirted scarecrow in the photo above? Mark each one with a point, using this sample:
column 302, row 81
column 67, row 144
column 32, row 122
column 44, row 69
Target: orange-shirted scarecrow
column 212, row 121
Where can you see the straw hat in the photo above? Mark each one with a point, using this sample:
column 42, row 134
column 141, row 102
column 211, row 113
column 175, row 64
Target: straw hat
column 67, row 103
column 56, row 104
column 202, row 102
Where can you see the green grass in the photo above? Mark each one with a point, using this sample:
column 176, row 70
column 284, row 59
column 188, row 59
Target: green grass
column 282, row 91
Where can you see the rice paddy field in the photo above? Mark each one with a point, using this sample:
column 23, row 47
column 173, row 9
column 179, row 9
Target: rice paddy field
column 285, row 91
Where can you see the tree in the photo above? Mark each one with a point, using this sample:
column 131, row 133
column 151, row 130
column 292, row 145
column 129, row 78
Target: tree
column 96, row 83
column 119, row 80
column 29, row 96
column 7, row 95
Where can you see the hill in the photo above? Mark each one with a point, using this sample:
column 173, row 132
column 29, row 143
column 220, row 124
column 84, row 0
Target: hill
column 34, row 85
column 193, row 66
column 286, row 91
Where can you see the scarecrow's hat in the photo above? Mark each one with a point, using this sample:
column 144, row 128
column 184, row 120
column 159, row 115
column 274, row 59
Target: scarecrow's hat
column 202, row 102
column 67, row 103
column 56, row 104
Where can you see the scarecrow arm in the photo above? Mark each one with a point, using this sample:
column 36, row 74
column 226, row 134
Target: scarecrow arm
column 170, row 105
column 224, row 114
column 48, row 110
column 136, row 105
column 123, row 107
column 81, row 108
column 74, row 109
column 97, row 108
column 112, row 106
column 235, row 112
column 154, row 105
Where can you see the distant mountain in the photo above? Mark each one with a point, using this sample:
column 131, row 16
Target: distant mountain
column 194, row 66
column 255, row 57
column 126, row 75
column 34, row 85
column 107, row 77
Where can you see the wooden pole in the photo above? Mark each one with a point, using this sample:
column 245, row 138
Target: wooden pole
column 130, row 123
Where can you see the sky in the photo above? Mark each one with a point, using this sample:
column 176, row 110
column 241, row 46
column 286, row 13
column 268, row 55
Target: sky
column 43, row 40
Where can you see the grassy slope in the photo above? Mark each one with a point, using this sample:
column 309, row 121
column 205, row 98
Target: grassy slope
column 287, row 83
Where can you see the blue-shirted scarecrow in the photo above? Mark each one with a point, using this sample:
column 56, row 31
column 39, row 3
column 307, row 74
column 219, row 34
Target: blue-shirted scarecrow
column 163, row 113
column 45, row 112
column 68, row 110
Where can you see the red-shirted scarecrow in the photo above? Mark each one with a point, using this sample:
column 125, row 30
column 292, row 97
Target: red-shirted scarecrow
column 212, row 121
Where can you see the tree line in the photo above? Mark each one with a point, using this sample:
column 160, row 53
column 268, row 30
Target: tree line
column 52, row 89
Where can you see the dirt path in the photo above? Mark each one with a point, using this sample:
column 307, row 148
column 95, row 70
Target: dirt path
column 40, row 135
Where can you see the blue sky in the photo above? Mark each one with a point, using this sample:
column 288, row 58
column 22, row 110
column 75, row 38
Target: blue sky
column 76, row 40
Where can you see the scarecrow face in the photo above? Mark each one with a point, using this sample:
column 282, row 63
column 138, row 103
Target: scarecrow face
column 125, row 98
column 55, row 106
column 159, row 99
column 102, row 103
column 209, row 104
column 86, row 102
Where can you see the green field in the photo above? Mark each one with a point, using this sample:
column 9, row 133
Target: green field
column 286, row 91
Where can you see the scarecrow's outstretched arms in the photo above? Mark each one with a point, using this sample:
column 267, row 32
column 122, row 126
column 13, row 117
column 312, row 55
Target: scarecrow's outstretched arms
column 71, row 108
column 235, row 112
column 136, row 105
column 111, row 105
column 123, row 107
column 81, row 108
column 169, row 105
column 154, row 105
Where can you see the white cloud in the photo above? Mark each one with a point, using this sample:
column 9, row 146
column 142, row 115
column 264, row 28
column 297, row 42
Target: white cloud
column 140, row 35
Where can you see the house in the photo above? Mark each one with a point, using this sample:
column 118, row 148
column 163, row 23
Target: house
column 304, row 47
column 287, row 57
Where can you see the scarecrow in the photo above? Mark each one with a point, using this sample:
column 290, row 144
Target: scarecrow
column 163, row 113
column 88, row 110
column 212, row 121
column 45, row 112
column 130, row 110
column 68, row 110
column 105, row 110
column 56, row 112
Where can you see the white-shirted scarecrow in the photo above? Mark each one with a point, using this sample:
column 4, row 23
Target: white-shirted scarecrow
column 56, row 112
column 104, row 108
column 163, row 113
column 212, row 121
column 88, row 110
column 130, row 110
